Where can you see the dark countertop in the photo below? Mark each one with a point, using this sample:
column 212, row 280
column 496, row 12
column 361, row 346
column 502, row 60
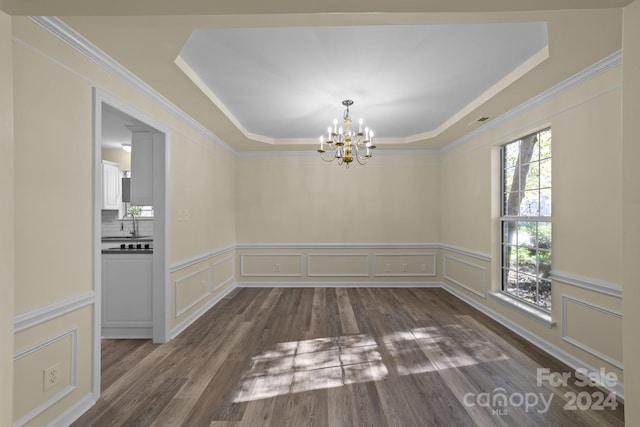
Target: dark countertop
column 106, row 239
column 114, row 243
column 127, row 251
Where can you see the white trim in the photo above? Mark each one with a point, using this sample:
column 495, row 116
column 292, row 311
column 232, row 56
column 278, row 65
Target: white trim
column 60, row 29
column 196, row 315
column 338, row 246
column 605, row 288
column 338, row 284
column 161, row 226
column 524, row 308
column 213, row 272
column 96, row 242
column 575, row 80
column 482, row 294
column 74, row 412
column 73, row 373
column 31, row 318
column 127, row 330
column 467, row 252
column 179, row 281
column 199, row 258
column 243, row 274
column 366, row 274
column 579, row 344
column 312, row 152
column 433, row 255
column 546, row 346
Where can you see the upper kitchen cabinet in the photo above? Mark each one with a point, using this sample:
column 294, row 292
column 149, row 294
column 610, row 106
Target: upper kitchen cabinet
column 110, row 185
column 142, row 168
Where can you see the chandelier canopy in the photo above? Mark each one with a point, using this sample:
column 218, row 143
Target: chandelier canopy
column 345, row 145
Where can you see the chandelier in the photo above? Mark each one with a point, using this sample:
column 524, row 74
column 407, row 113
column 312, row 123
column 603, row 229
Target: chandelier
column 345, row 145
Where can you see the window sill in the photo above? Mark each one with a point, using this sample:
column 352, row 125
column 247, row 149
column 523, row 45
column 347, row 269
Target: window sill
column 538, row 315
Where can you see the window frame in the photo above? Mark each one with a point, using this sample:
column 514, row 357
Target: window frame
column 509, row 219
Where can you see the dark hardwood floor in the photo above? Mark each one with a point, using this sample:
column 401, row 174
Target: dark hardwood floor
column 340, row 357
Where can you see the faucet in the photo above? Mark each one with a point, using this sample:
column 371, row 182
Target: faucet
column 133, row 232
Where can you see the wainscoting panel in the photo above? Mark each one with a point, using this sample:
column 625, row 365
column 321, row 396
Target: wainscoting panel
column 466, row 274
column 191, row 289
column 338, row 265
column 59, row 351
column 405, row 264
column 198, row 283
column 271, row 265
column 592, row 328
column 222, row 272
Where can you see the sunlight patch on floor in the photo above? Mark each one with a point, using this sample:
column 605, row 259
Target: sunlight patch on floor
column 322, row 363
column 314, row 364
column 446, row 346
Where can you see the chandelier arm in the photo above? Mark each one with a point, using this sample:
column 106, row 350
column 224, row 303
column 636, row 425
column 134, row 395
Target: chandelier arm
column 362, row 160
column 328, row 160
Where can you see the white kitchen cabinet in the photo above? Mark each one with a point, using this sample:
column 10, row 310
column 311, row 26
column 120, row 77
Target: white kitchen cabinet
column 110, row 185
column 142, row 168
column 127, row 305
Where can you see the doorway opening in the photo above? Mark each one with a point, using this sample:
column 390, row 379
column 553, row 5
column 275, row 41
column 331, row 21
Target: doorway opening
column 136, row 219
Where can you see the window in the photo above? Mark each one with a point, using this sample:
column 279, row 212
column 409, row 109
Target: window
column 526, row 219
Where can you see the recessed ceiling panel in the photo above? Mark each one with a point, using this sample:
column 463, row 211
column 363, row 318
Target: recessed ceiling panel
column 405, row 79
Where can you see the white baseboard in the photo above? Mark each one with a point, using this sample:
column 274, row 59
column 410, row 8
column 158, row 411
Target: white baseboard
column 127, row 332
column 196, row 315
column 74, row 412
column 338, row 284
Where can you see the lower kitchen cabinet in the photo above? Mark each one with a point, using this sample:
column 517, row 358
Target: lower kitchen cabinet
column 127, row 295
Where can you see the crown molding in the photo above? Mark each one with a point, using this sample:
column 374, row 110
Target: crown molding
column 65, row 33
column 582, row 76
column 61, row 30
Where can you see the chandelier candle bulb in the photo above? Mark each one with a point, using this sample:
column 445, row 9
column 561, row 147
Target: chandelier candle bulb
column 360, row 127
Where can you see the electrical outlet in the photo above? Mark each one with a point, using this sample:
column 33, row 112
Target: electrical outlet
column 277, row 268
column 51, row 376
column 186, row 214
column 405, row 267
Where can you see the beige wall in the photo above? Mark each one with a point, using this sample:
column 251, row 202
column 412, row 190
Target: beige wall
column 301, row 220
column 119, row 156
column 587, row 200
column 202, row 182
column 631, row 207
column 418, row 199
column 53, row 104
column 393, row 199
column 6, row 224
